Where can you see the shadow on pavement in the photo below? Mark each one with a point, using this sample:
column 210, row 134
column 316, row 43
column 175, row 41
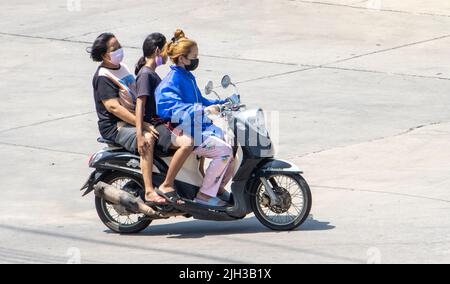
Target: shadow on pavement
column 198, row 229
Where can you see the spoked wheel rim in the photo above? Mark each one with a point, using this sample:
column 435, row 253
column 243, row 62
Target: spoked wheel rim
column 293, row 202
column 118, row 214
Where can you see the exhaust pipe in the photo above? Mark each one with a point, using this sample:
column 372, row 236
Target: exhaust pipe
column 130, row 202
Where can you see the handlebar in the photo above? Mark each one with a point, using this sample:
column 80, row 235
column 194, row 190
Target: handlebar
column 232, row 104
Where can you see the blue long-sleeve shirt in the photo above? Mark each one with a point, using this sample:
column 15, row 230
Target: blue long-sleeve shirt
column 179, row 100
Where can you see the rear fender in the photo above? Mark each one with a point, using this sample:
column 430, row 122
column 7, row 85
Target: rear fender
column 93, row 179
column 124, row 162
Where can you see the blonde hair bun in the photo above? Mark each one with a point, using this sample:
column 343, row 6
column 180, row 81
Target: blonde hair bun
column 179, row 34
column 180, row 46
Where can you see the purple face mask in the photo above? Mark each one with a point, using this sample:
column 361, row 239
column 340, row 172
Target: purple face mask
column 159, row 60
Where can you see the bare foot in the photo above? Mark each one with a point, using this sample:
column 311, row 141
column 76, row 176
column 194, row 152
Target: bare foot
column 155, row 198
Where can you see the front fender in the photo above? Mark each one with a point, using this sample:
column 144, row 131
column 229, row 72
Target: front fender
column 273, row 167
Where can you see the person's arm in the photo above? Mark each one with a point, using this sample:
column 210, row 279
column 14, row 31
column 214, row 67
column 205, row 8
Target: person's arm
column 140, row 138
column 142, row 126
column 109, row 95
column 171, row 105
column 210, row 102
column 113, row 106
column 145, row 85
column 140, row 105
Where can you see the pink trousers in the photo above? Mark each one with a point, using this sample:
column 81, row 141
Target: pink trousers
column 220, row 171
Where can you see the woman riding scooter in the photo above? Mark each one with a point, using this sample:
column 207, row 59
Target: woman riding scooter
column 180, row 101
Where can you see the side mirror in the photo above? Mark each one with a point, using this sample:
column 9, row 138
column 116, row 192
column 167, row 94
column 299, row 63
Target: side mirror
column 226, row 81
column 209, row 88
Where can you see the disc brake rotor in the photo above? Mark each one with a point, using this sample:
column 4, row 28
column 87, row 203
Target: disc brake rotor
column 285, row 201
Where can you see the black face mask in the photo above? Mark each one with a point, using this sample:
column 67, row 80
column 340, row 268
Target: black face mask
column 193, row 65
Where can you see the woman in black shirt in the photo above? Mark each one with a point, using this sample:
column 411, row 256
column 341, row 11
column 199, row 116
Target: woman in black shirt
column 147, row 81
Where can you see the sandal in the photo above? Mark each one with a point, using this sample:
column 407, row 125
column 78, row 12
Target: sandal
column 225, row 196
column 154, row 202
column 213, row 201
column 172, row 196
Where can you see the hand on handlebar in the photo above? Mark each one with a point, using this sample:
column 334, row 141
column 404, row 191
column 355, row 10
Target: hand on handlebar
column 213, row 110
column 234, row 99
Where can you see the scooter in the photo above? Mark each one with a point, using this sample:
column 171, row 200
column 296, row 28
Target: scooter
column 274, row 190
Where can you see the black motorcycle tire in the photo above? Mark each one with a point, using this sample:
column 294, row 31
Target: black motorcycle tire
column 112, row 224
column 298, row 221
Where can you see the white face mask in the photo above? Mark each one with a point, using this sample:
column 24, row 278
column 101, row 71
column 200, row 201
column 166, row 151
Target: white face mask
column 117, row 56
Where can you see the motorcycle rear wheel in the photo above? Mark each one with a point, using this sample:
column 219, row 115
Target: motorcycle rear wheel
column 115, row 217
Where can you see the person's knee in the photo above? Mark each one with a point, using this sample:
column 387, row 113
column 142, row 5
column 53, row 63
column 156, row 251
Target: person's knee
column 151, row 142
column 228, row 150
column 149, row 138
column 227, row 153
column 185, row 142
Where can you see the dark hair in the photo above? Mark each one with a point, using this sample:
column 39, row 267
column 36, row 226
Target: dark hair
column 151, row 43
column 100, row 46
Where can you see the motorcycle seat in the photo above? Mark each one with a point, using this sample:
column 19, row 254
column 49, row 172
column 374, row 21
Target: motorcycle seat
column 108, row 142
column 158, row 152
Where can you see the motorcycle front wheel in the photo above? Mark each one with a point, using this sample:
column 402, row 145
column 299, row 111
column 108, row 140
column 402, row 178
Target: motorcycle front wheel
column 294, row 206
column 116, row 217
